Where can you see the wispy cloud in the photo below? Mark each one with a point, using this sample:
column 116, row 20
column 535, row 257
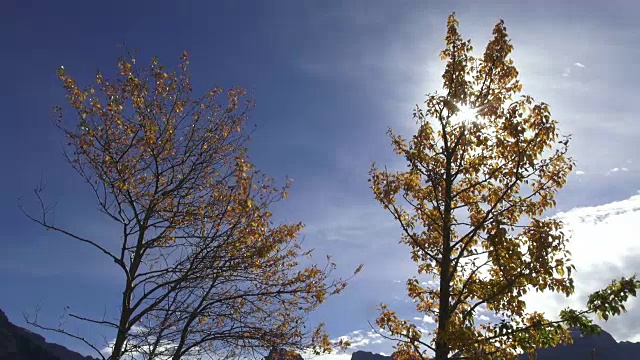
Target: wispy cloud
column 360, row 338
column 617, row 169
column 567, row 70
column 333, row 356
column 425, row 319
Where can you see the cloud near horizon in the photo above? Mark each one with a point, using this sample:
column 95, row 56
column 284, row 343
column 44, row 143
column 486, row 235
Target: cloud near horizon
column 604, row 246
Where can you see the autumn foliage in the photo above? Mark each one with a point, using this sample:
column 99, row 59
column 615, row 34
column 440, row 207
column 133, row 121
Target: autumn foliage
column 483, row 170
column 205, row 270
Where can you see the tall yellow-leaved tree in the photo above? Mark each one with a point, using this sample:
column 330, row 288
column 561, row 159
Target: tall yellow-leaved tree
column 483, row 169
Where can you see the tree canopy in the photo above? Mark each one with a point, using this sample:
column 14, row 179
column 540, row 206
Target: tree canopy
column 205, row 269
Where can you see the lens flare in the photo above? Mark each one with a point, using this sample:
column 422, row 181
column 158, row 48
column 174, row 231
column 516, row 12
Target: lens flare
column 465, row 114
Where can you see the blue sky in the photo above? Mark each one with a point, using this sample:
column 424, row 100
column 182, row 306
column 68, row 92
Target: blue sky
column 329, row 77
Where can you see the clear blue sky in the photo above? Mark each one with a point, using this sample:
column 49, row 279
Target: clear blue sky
column 329, row 77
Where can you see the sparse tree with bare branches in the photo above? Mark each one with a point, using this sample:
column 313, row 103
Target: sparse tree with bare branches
column 205, row 270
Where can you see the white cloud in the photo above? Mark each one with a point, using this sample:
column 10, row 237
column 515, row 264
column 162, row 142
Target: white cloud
column 604, row 246
column 617, row 169
column 567, row 70
column 425, row 319
column 310, row 356
column 579, row 172
column 359, row 338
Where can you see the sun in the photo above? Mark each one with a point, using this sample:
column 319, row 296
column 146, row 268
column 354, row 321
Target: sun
column 465, row 114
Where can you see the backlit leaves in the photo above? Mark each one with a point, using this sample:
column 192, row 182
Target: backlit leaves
column 472, row 206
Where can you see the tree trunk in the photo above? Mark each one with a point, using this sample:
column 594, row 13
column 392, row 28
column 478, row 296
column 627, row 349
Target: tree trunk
column 121, row 336
column 444, row 308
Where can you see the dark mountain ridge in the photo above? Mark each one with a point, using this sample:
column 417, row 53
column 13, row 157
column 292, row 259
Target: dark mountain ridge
column 594, row 347
column 17, row 343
